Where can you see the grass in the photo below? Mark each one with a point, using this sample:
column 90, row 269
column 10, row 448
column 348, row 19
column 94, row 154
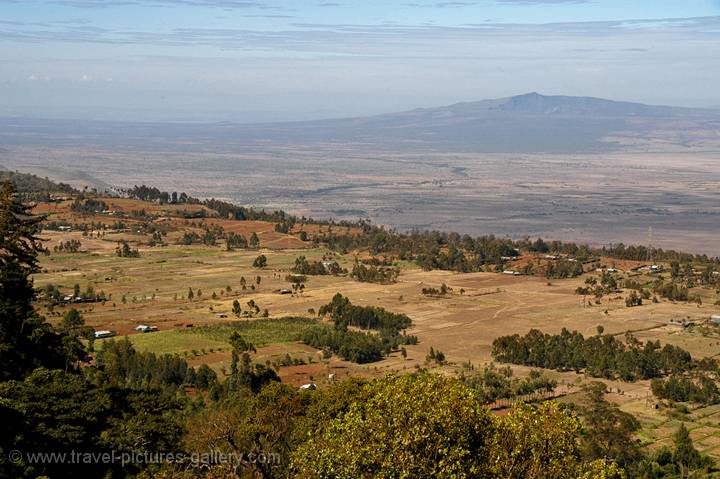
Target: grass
column 260, row 332
column 170, row 342
column 658, row 427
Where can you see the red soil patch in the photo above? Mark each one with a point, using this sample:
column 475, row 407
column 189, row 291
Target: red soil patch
column 210, row 358
column 319, row 373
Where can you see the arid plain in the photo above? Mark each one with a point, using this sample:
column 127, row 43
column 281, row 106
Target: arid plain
column 593, row 198
column 152, row 290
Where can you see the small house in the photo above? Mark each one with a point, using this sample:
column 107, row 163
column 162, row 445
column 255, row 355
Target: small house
column 104, row 334
column 145, row 329
column 715, row 319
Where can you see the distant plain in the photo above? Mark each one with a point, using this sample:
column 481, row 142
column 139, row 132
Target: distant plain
column 565, row 168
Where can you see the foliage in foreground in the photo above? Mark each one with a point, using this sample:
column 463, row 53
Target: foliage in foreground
column 431, row 426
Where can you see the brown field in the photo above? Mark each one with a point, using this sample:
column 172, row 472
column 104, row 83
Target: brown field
column 463, row 326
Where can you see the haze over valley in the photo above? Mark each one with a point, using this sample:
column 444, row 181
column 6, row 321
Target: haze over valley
column 571, row 168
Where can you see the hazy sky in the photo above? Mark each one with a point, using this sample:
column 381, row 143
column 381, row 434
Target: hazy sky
column 279, row 59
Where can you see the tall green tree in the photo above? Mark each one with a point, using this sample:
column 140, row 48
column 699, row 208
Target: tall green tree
column 254, row 241
column 73, row 327
column 685, row 456
column 26, row 340
column 433, row 426
column 62, row 413
column 260, row 261
column 243, row 373
column 249, row 426
column 608, row 432
column 426, row 426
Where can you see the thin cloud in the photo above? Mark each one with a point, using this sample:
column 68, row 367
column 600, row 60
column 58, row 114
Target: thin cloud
column 73, row 21
column 539, row 2
column 221, row 4
column 351, row 39
column 442, row 5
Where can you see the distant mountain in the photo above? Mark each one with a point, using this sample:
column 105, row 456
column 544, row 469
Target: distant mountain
column 523, row 123
column 537, row 104
column 518, row 124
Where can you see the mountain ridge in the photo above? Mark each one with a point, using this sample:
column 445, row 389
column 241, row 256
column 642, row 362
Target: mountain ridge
column 539, row 104
column 528, row 123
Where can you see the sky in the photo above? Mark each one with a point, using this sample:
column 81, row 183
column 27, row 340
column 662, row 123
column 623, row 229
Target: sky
column 271, row 60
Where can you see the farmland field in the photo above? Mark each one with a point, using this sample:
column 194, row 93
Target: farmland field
column 153, row 289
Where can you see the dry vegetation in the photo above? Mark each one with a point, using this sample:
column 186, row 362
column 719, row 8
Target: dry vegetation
column 462, row 324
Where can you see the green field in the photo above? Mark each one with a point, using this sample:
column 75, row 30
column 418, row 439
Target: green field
column 659, row 425
column 260, row 332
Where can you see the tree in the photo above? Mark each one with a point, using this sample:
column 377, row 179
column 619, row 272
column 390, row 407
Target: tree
column 73, row 327
column 608, row 431
column 254, row 242
column 536, row 443
column 240, row 345
column 244, row 374
column 260, row 261
column 190, row 294
column 236, row 309
column 685, row 455
column 250, row 426
column 26, row 340
column 71, row 320
column 633, row 300
column 65, row 412
column 424, row 426
column 123, row 250
column 433, row 426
